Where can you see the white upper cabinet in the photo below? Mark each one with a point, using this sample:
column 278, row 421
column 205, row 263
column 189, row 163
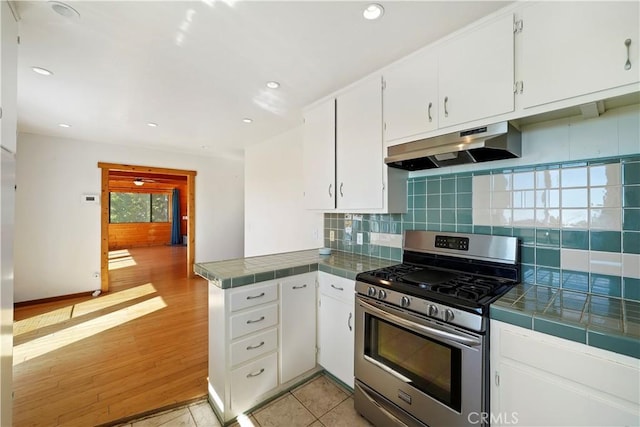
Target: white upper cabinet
column 319, row 148
column 476, row 74
column 571, row 49
column 359, row 150
column 344, row 166
column 411, row 96
column 467, row 78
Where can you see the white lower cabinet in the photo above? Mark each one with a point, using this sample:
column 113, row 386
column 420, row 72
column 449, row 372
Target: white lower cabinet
column 297, row 325
column 261, row 341
column 336, row 326
column 253, row 379
column 538, row 379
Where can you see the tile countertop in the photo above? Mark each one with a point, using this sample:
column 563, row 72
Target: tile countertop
column 597, row 320
column 245, row 271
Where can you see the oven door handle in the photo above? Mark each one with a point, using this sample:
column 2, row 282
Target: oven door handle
column 416, row 327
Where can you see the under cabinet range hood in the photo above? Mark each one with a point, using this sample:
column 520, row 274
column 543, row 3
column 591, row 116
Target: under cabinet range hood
column 493, row 142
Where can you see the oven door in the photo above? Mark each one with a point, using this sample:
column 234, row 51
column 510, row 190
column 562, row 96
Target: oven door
column 431, row 370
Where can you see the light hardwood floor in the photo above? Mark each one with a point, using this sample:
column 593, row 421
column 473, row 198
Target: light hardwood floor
column 142, row 346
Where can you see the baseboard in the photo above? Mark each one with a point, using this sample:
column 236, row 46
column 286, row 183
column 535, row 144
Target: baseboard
column 52, row 299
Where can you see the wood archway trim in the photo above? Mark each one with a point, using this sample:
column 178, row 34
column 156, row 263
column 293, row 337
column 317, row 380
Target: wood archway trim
column 104, row 216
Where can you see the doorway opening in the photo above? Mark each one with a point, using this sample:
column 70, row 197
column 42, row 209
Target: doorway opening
column 143, row 199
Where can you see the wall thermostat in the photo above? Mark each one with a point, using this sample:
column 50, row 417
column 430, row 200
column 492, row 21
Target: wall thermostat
column 91, row 199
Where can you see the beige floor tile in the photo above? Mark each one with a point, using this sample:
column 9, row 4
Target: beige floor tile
column 176, row 418
column 320, row 395
column 285, row 411
column 203, row 415
column 344, row 415
column 246, row 422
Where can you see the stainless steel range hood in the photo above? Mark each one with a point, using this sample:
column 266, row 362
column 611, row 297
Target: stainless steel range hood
column 494, row 142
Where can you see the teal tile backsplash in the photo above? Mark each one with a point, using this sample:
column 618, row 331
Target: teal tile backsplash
column 557, row 211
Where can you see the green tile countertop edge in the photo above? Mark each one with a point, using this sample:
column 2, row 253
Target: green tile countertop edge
column 608, row 323
column 246, row 271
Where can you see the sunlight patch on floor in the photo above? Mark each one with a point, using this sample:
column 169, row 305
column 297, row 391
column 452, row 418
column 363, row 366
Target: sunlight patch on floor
column 63, row 314
column 42, row 320
column 113, row 298
column 120, row 259
column 245, row 421
column 73, row 334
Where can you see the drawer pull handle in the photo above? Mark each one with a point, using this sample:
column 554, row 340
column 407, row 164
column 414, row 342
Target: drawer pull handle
column 300, row 287
column 337, row 288
column 255, row 296
column 446, row 110
column 349, row 321
column 255, row 321
column 251, row 375
column 627, row 65
column 429, row 112
column 253, row 347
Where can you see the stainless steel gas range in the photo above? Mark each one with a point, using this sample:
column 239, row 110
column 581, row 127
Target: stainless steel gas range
column 421, row 338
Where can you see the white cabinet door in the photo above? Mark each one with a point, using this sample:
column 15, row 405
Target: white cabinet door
column 319, row 148
column 336, row 338
column 571, row 49
column 359, row 150
column 574, row 383
column 250, row 381
column 410, row 96
column 297, row 326
column 476, row 74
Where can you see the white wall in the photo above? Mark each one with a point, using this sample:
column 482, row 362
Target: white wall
column 275, row 218
column 57, row 246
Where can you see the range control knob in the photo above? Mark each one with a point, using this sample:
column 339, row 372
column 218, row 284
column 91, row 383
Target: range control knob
column 372, row 291
column 382, row 294
column 448, row 315
column 405, row 302
column 432, row 310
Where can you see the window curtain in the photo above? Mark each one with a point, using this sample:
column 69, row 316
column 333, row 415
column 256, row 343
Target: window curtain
column 175, row 218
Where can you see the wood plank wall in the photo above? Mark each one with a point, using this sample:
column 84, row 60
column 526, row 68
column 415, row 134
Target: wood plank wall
column 139, row 234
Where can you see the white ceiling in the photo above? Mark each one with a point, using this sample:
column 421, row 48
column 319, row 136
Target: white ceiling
column 197, row 68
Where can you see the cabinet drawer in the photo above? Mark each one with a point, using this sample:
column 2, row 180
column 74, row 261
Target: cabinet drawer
column 254, row 295
column 337, row 287
column 254, row 320
column 254, row 346
column 253, row 380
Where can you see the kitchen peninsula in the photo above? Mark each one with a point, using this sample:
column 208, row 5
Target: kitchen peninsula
column 264, row 313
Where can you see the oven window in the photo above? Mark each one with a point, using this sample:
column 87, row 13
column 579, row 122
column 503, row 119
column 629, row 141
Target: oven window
column 433, row 367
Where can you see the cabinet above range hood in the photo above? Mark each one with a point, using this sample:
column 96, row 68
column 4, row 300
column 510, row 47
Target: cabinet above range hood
column 493, row 142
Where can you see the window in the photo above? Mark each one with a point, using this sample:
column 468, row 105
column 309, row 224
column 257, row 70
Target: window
column 138, row 207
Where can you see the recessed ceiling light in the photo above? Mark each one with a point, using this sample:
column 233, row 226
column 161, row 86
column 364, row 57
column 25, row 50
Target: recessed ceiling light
column 273, row 85
column 152, row 125
column 64, row 9
column 204, row 147
column 42, row 71
column 64, row 125
column 247, row 120
column 373, row 11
